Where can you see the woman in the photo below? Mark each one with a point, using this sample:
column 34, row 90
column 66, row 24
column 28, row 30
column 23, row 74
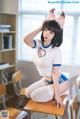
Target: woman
column 47, row 58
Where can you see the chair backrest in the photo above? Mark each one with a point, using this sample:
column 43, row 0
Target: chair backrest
column 2, row 89
column 17, row 77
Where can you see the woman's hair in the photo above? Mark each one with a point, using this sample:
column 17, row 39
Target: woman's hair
column 54, row 27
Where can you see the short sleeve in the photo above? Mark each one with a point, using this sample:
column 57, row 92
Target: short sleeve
column 36, row 43
column 57, row 57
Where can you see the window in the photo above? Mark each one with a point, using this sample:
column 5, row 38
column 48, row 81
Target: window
column 29, row 22
column 34, row 12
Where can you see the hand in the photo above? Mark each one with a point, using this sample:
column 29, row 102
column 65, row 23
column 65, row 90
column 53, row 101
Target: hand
column 58, row 100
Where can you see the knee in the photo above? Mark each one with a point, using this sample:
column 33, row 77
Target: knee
column 33, row 96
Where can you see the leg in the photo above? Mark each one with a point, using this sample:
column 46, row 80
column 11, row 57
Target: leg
column 46, row 93
column 43, row 94
column 23, row 99
column 34, row 86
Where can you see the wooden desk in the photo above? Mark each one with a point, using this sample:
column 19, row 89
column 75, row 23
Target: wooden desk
column 47, row 107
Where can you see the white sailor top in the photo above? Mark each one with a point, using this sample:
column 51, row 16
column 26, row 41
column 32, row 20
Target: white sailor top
column 45, row 57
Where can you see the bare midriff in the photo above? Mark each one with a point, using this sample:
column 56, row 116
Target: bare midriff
column 48, row 78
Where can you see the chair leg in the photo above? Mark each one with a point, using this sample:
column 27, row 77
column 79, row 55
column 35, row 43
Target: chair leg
column 72, row 113
column 76, row 112
column 56, row 117
column 4, row 104
column 29, row 115
column 65, row 116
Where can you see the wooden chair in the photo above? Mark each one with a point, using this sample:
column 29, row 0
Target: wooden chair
column 17, row 79
column 75, row 102
column 48, row 107
column 75, row 109
column 12, row 112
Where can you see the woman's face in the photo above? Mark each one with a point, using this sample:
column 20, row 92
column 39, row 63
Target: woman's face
column 48, row 35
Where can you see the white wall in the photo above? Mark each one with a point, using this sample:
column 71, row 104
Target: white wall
column 9, row 6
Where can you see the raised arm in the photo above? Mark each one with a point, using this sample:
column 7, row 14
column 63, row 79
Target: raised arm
column 29, row 37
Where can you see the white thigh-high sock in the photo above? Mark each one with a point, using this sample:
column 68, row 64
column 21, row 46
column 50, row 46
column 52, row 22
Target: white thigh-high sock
column 34, row 86
column 43, row 94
